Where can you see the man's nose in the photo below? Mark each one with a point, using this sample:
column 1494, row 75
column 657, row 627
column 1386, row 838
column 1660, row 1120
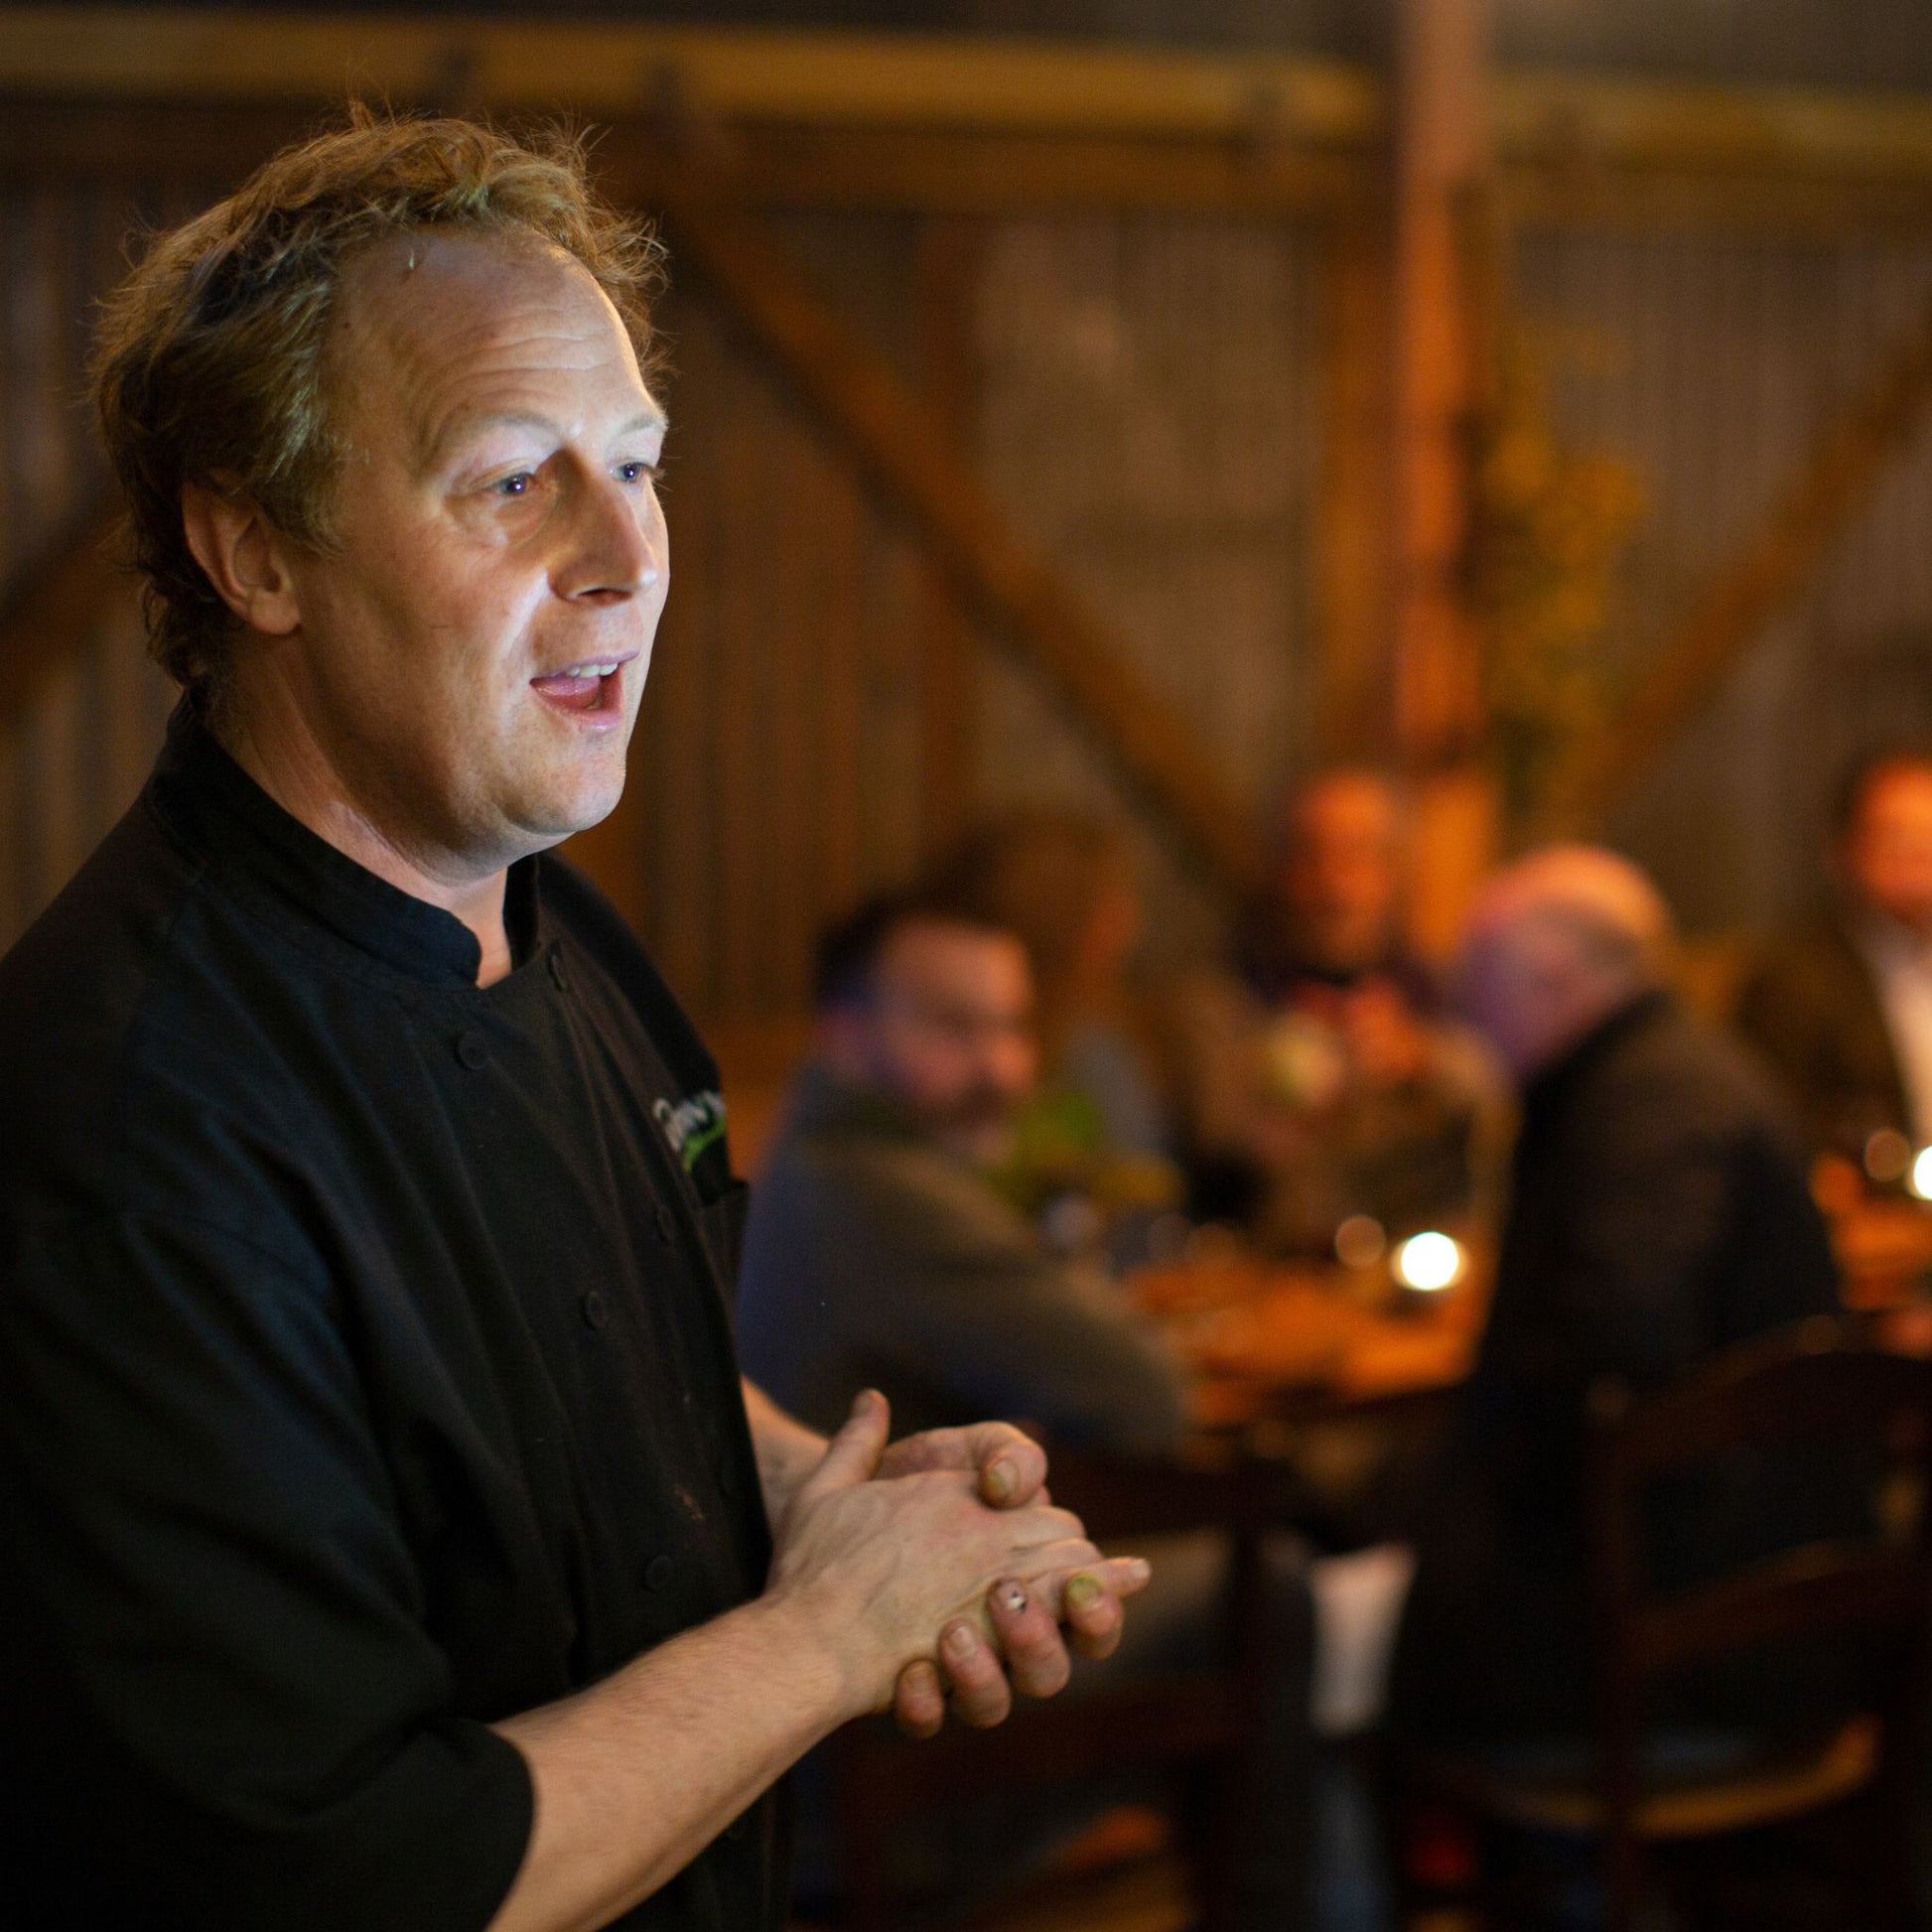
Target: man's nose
column 614, row 544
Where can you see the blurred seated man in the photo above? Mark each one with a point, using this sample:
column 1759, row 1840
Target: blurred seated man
column 1659, row 1213
column 1842, row 1008
column 1316, row 1077
column 878, row 1255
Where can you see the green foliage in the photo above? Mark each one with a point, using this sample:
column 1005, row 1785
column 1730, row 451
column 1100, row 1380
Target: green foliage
column 1551, row 528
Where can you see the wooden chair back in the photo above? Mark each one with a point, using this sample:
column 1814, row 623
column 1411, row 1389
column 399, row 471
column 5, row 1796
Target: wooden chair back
column 1815, row 1385
column 1209, row 1719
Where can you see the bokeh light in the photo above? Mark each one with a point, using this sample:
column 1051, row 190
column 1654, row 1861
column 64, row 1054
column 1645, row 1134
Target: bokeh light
column 1360, row 1242
column 1888, row 1155
column 1428, row 1261
column 1921, row 1176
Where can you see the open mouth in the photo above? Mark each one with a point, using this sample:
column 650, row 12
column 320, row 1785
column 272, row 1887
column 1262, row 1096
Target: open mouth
column 592, row 690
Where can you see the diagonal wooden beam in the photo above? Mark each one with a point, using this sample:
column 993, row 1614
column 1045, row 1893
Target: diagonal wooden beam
column 1746, row 593
column 911, row 463
column 53, row 607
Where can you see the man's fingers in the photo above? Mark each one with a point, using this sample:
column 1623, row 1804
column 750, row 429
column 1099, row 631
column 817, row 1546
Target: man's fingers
column 1012, row 1466
column 1028, row 1627
column 853, row 1453
column 1008, row 1466
column 980, row 1694
column 1090, row 1603
column 919, row 1700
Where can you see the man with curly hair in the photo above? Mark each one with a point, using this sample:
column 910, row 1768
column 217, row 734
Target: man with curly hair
column 390, row 1541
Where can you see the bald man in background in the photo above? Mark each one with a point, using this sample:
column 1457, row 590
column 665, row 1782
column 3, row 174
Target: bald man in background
column 1659, row 1213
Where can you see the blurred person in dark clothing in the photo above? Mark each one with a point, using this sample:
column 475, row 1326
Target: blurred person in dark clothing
column 880, row 1255
column 1659, row 1213
column 1318, row 1076
column 1841, row 1007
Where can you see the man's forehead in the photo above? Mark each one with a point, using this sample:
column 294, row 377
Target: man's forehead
column 463, row 319
column 387, row 285
column 1350, row 808
column 935, row 953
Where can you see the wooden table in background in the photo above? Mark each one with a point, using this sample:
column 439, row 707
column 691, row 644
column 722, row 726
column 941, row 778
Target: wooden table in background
column 1269, row 1340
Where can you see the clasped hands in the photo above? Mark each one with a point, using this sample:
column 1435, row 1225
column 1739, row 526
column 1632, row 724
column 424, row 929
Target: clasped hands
column 939, row 1567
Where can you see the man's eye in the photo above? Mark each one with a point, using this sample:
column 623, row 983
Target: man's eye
column 631, row 473
column 516, row 486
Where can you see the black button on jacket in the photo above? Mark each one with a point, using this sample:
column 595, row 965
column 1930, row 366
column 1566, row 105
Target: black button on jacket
column 365, row 1377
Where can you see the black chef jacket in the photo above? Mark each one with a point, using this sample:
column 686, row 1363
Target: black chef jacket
column 365, row 1377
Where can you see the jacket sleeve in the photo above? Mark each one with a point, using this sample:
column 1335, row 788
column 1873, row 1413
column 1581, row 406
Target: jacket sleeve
column 961, row 1293
column 213, row 1634
column 1649, row 1217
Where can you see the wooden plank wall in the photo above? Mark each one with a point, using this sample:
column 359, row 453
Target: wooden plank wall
column 1710, row 362
column 1151, row 408
column 73, row 762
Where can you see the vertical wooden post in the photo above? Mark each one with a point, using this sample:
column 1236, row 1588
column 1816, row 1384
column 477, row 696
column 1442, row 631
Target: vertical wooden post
column 950, row 251
column 1354, row 617
column 1441, row 163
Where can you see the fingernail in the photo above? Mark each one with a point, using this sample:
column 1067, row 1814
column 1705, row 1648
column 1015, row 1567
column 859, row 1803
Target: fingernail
column 1083, row 1593
column 958, row 1640
column 1001, row 1479
column 1012, row 1597
column 1138, row 1568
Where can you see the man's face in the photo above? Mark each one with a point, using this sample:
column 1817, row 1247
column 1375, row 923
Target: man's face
column 1344, row 875
column 472, row 654
column 947, row 1031
column 1888, row 854
column 1518, row 984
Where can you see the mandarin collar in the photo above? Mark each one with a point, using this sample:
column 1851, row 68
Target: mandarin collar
column 201, row 792
column 1546, row 1088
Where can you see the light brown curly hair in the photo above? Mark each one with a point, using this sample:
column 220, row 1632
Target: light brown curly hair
column 210, row 363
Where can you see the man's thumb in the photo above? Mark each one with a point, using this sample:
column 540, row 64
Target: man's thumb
column 853, row 1455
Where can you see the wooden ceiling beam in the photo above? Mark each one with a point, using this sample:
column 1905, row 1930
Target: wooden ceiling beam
column 1546, row 119
column 1833, row 482
column 940, row 172
column 1556, row 128
column 730, row 74
column 966, row 172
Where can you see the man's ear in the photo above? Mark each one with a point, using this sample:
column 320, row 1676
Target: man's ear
column 244, row 556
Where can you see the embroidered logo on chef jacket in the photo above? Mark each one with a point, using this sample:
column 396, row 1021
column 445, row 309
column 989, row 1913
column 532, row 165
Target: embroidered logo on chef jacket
column 692, row 1126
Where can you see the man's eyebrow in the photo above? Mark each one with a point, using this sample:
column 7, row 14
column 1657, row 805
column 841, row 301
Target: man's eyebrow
column 461, row 427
